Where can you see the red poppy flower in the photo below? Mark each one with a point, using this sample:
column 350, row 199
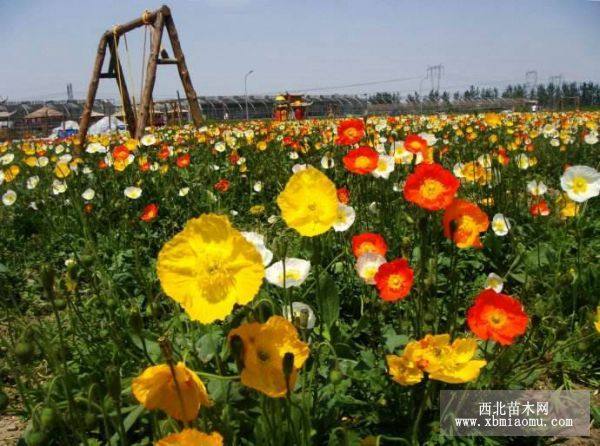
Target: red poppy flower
column 394, row 280
column 350, row 132
column 539, row 208
column 368, row 242
column 145, row 166
column 234, row 158
column 343, row 195
column 497, row 316
column 361, row 161
column 183, row 161
column 222, row 185
column 503, row 158
column 463, row 221
column 431, row 187
column 102, row 164
column 120, row 153
column 149, row 213
column 415, row 144
column 164, row 152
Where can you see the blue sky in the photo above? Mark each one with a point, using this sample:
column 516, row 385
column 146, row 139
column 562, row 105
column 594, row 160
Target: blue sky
column 305, row 44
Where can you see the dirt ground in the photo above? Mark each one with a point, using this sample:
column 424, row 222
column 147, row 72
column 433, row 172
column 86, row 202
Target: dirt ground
column 11, row 427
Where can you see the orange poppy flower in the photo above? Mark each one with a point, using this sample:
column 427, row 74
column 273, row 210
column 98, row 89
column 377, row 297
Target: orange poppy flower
column 164, row 152
column 361, row 161
column 350, row 132
column 191, row 437
column 415, row 144
column 266, row 348
column 539, row 208
column 343, row 195
column 431, row 187
column 463, row 221
column 497, row 316
column 183, row 161
column 394, row 280
column 120, row 153
column 149, row 213
column 180, row 398
column 368, row 242
column 222, row 185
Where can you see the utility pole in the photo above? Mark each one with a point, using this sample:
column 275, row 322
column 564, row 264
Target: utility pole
column 246, row 91
column 434, row 74
column 531, row 78
column 69, row 91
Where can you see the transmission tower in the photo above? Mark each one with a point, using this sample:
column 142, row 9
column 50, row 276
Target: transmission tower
column 531, row 78
column 434, row 74
column 70, row 91
column 556, row 80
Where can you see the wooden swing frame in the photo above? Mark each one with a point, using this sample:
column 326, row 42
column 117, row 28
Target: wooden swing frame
column 157, row 21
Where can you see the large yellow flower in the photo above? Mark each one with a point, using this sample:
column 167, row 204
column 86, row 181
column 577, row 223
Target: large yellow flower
column 264, row 348
column 209, row 267
column 192, row 437
column 451, row 363
column 156, row 388
column 309, row 202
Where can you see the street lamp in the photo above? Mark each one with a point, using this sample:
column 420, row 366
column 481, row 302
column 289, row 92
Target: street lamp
column 246, row 90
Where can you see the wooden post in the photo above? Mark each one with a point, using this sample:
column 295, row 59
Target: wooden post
column 84, row 121
column 159, row 19
column 146, row 99
column 184, row 74
column 122, row 86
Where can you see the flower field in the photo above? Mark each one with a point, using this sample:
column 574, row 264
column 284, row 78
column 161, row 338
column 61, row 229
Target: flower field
column 296, row 283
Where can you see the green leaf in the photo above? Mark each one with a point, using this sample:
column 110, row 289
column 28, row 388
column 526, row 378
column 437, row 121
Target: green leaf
column 329, row 300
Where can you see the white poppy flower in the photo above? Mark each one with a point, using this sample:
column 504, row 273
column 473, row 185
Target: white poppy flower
column 7, row 158
column 65, row 159
column 133, row 192
column 233, row 212
column 272, row 219
column 42, row 161
column 485, row 161
column 258, row 186
column 536, row 189
column 457, row 170
column 296, row 271
column 385, row 166
column 500, row 225
column 33, row 206
column 494, row 282
column 87, row 170
column 32, row 182
column 95, row 147
column 591, row 138
column 430, row 138
column 581, row 183
column 9, row 197
column 59, row 187
column 298, row 167
column 327, row 162
column 301, row 315
column 259, row 243
column 183, row 191
column 148, row 140
column 345, row 218
column 220, row 147
column 367, row 266
column 88, row 194
column 294, row 155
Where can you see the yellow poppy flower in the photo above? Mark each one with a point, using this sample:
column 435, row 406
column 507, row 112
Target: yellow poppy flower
column 264, row 348
column 11, row 173
column 209, row 267
column 597, row 321
column 451, row 363
column 31, row 161
column 191, row 437
column 62, row 170
column 156, row 388
column 309, row 202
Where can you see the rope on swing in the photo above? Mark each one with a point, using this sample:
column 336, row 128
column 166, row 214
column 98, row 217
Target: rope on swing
column 118, row 69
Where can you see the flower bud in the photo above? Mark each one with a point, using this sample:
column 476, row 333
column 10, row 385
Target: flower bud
column 113, row 382
column 237, row 349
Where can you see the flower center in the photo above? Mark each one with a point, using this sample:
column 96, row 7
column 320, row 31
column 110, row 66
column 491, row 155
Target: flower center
column 262, row 355
column 351, row 133
column 395, row 281
column 580, row 185
column 431, row 189
column 497, row 319
column 363, row 162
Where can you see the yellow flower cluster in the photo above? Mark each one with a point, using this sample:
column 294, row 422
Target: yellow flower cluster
column 440, row 359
